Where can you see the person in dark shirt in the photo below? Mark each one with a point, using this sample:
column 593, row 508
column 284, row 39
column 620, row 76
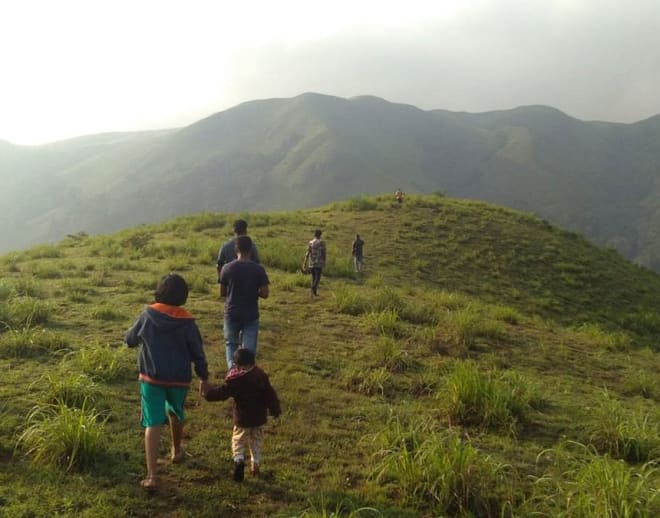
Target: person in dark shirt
column 254, row 397
column 227, row 252
column 169, row 341
column 358, row 257
column 242, row 283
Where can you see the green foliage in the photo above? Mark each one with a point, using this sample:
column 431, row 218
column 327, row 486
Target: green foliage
column 358, row 203
column 595, row 335
column 103, row 363
column 465, row 326
column 73, row 390
column 439, row 472
column 588, row 485
column 26, row 311
column 502, row 289
column 485, row 399
column 620, row 434
column 385, row 322
column 342, row 507
column 349, row 300
column 106, row 312
column 390, row 355
column 30, row 342
column 56, row 434
column 370, row 381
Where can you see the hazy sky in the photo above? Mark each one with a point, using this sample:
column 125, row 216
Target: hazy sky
column 75, row 67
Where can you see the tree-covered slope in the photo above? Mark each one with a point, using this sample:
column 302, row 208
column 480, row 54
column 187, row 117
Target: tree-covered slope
column 599, row 179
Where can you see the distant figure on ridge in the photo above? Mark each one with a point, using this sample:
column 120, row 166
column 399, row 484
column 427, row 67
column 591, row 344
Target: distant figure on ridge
column 358, row 257
column 254, row 397
column 227, row 252
column 398, row 195
column 169, row 341
column 315, row 260
column 242, row 283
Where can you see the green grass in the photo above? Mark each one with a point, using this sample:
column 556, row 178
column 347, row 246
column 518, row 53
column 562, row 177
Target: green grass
column 65, row 436
column 446, row 380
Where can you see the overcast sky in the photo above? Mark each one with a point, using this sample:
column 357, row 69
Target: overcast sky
column 76, row 67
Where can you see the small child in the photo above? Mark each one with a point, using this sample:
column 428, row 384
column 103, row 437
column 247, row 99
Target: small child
column 169, row 342
column 254, row 397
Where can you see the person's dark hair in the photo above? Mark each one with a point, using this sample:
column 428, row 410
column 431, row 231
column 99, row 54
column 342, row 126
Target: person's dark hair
column 240, row 227
column 243, row 357
column 243, row 244
column 172, row 289
column 317, row 233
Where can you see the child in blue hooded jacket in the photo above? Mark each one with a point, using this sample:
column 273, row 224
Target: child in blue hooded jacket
column 170, row 342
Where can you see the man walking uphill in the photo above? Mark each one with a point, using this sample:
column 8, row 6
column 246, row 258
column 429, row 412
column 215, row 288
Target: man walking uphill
column 315, row 260
column 242, row 282
column 227, row 252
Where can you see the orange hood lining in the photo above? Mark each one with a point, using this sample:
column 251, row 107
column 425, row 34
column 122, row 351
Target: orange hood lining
column 172, row 311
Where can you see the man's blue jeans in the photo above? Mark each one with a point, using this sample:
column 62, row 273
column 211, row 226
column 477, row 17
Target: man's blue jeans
column 234, row 330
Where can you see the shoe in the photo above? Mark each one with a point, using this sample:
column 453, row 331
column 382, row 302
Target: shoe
column 239, row 471
column 254, row 470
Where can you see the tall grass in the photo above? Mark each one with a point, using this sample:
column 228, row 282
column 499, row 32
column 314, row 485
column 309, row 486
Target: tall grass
column 437, row 472
column 57, row 434
column 464, row 326
column 588, row 485
column 349, row 300
column 385, row 322
column 485, row 399
column 103, row 363
column 73, row 390
column 30, row 342
column 622, row 434
column 391, row 356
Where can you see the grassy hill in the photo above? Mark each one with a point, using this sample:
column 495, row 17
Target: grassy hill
column 485, row 363
column 598, row 179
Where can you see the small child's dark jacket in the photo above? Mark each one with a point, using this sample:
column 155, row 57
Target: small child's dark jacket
column 253, row 396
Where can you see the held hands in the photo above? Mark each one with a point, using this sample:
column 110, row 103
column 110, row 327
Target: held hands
column 204, row 387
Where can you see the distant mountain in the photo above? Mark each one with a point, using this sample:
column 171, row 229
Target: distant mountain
column 601, row 179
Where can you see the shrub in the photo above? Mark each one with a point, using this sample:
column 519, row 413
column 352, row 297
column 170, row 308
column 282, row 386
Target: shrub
column 57, row 434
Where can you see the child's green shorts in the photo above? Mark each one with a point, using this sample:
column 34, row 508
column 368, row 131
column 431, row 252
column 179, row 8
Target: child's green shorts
column 158, row 401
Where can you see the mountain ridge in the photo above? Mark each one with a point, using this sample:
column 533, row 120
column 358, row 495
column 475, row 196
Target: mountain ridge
column 597, row 178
